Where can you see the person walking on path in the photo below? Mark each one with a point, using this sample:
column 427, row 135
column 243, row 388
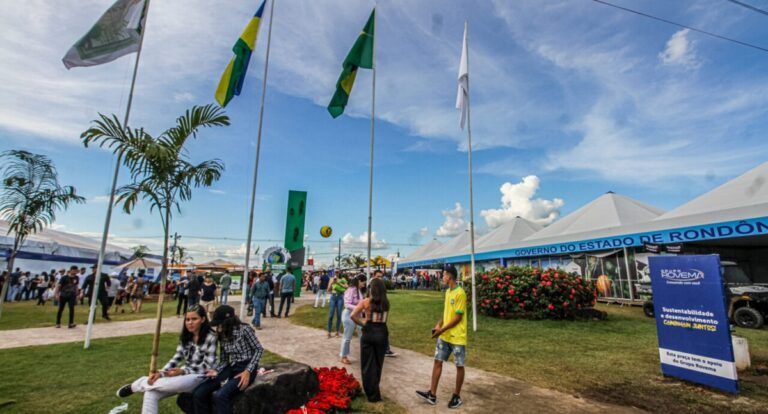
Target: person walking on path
column 225, row 282
column 236, row 370
column 378, row 274
column 259, row 295
column 182, row 291
column 322, row 289
column 13, row 286
column 66, row 295
column 351, row 298
column 197, row 349
column 137, row 294
column 373, row 341
column 42, row 286
column 337, row 287
column 208, row 296
column 114, row 287
column 286, row 286
column 195, row 283
column 272, row 281
column 101, row 292
column 451, row 334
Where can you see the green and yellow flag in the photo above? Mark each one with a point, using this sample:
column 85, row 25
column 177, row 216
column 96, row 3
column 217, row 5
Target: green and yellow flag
column 361, row 56
column 231, row 82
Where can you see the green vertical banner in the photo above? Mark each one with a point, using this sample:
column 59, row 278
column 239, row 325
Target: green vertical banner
column 294, row 233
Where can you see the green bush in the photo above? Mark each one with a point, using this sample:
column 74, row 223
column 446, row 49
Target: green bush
column 530, row 293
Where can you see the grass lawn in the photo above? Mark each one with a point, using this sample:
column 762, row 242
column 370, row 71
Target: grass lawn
column 64, row 378
column 614, row 361
column 20, row 315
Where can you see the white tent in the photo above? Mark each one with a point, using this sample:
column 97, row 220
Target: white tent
column 515, row 230
column 456, row 246
column 608, row 210
column 52, row 248
column 744, row 196
column 422, row 251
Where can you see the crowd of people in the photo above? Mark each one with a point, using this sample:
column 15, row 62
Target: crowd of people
column 358, row 306
column 68, row 288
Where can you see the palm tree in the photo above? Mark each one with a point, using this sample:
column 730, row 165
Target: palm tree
column 180, row 255
column 379, row 261
column 29, row 198
column 161, row 172
column 354, row 261
column 140, row 251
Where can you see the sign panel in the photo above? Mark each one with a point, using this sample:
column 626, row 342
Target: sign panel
column 692, row 320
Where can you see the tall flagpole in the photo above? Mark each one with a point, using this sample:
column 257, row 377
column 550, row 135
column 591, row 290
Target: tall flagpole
column 373, row 129
column 244, row 282
column 107, row 221
column 471, row 198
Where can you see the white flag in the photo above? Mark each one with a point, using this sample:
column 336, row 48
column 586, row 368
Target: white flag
column 117, row 33
column 462, row 95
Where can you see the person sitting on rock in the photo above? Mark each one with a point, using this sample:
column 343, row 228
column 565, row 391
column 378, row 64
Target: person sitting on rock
column 239, row 361
column 197, row 348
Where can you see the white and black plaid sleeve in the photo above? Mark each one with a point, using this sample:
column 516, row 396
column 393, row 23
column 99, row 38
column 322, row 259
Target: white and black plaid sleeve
column 177, row 357
column 249, row 337
column 204, row 357
column 244, row 346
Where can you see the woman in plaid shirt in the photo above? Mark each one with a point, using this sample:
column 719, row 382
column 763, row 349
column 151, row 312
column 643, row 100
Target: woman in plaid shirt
column 197, row 349
column 240, row 356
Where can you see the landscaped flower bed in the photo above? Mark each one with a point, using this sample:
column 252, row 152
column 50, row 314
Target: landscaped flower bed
column 337, row 389
column 531, row 293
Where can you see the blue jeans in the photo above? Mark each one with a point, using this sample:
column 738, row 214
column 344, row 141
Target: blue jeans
column 349, row 329
column 224, row 296
column 258, row 307
column 13, row 290
column 337, row 304
column 210, row 396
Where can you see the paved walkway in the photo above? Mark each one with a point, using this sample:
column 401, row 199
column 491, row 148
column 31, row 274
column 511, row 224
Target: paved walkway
column 483, row 392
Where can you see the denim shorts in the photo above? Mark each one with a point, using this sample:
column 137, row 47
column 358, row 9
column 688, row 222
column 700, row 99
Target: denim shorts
column 444, row 349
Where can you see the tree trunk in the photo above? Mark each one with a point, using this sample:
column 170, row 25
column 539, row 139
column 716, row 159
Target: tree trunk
column 161, row 297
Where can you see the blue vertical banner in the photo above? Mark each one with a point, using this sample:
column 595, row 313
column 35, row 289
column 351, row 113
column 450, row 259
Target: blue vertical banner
column 692, row 320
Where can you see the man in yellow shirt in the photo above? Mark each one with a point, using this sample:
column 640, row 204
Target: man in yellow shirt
column 451, row 334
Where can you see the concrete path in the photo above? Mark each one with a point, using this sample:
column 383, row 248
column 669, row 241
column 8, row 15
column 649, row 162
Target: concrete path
column 483, row 392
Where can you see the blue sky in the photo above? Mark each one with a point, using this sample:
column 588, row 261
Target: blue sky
column 570, row 99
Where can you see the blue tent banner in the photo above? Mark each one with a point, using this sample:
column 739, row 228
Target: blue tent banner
column 731, row 229
column 692, row 320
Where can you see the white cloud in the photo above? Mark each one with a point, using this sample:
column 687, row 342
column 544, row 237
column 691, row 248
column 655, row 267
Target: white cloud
column 679, row 51
column 99, row 199
column 216, row 191
column 416, row 236
column 517, row 200
column 352, row 242
column 58, row 227
column 184, row 97
column 454, row 222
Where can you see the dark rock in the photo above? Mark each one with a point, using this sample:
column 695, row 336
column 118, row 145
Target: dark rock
column 291, row 385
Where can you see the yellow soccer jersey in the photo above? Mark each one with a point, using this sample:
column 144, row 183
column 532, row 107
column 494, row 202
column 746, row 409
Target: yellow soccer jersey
column 455, row 302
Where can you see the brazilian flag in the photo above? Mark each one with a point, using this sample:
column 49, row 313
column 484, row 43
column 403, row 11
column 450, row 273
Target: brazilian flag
column 361, row 56
column 231, row 82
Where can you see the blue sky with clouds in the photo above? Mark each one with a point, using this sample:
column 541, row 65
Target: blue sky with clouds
column 570, row 99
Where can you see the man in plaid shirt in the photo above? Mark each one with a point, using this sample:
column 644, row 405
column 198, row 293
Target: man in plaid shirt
column 240, row 356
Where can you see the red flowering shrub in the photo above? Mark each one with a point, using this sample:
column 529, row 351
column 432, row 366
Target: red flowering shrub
column 532, row 293
column 337, row 389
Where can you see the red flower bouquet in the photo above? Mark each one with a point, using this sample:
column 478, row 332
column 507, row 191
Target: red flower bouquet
column 337, row 389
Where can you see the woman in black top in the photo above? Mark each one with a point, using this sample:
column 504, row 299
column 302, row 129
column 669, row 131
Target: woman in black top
column 373, row 342
column 208, row 297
